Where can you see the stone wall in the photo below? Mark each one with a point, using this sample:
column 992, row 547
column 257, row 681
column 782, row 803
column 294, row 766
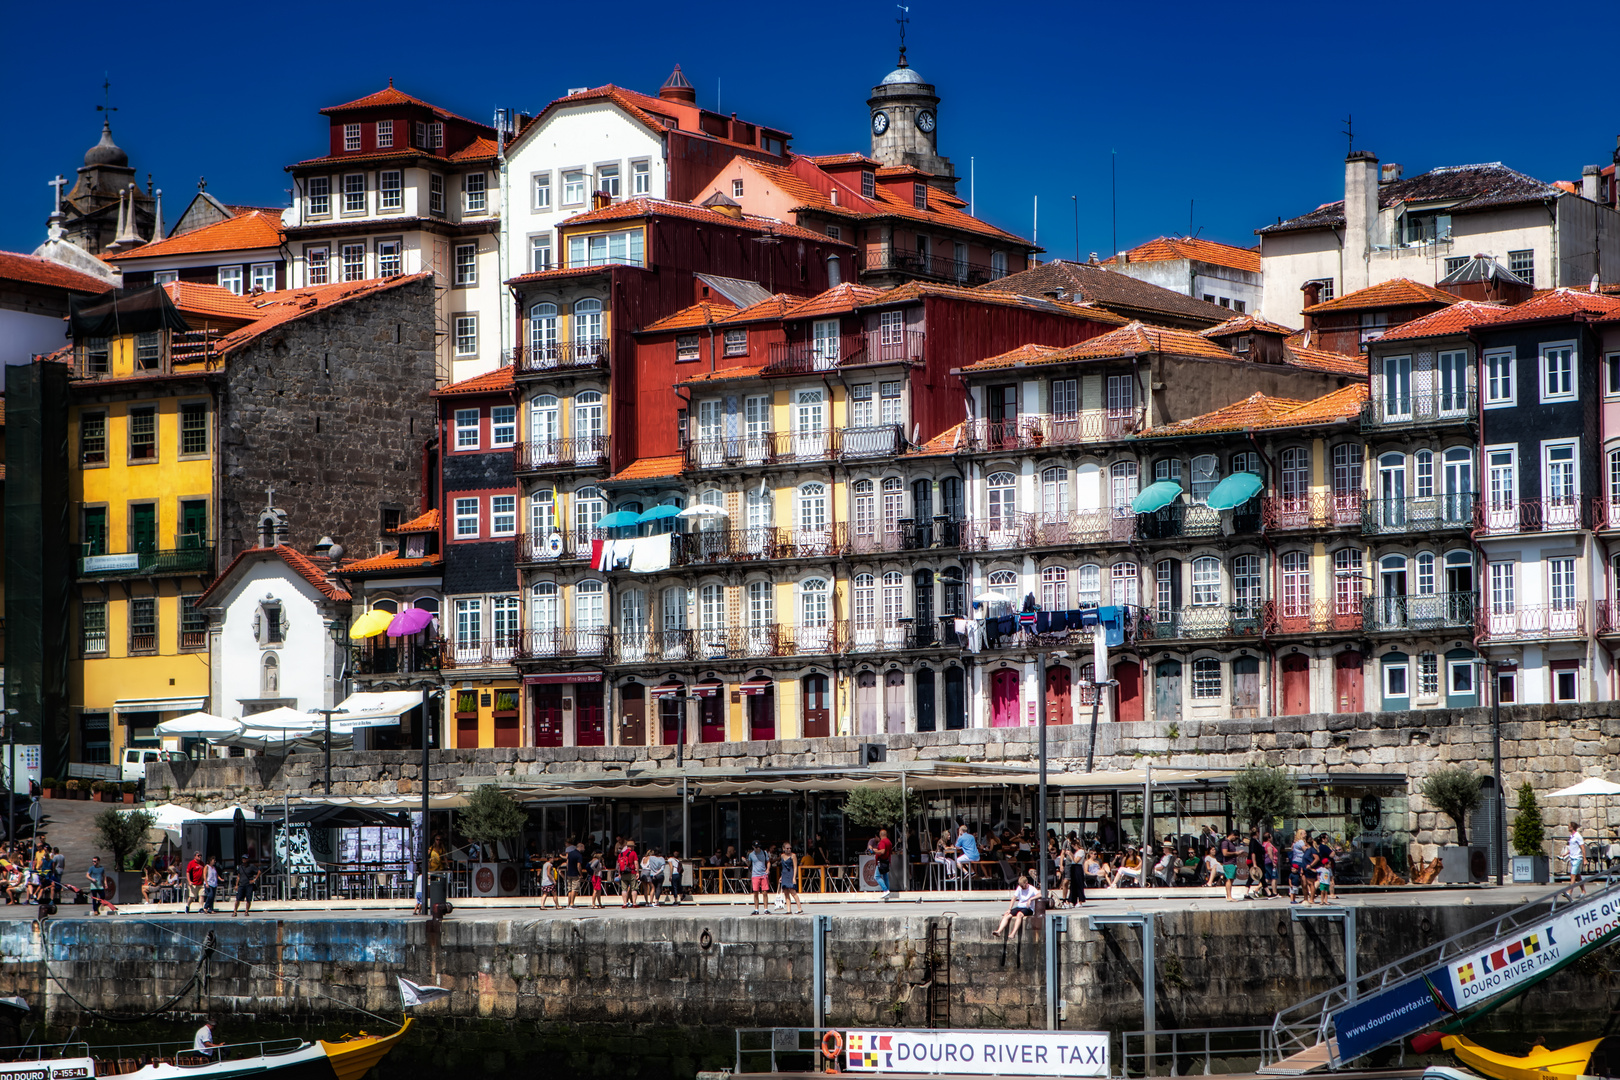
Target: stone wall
column 1549, row 745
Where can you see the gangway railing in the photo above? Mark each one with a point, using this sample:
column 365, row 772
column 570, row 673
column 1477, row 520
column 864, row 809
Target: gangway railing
column 1421, row 989
column 1222, row 1051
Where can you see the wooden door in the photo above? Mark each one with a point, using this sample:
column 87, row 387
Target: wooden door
column 1167, row 690
column 955, row 699
column 548, row 715
column 762, row 715
column 923, row 681
column 632, row 715
column 670, row 708
column 590, row 727
column 1347, row 681
column 712, row 717
column 1296, row 685
column 866, row 722
column 1128, row 694
column 1246, row 687
column 1058, row 695
column 894, row 702
column 1004, row 698
column 816, row 717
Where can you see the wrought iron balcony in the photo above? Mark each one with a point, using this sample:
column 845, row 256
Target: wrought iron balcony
column 1317, row 510
column 1311, row 616
column 553, row 545
column 716, row 546
column 1528, row 622
column 1504, row 517
column 1031, row 431
column 1430, row 408
column 559, row 455
column 1005, row 533
column 1386, row 613
column 808, row 357
column 557, row 643
column 393, row 656
column 929, row 267
column 550, row 357
column 875, row 441
column 1608, row 617
column 497, row 650
column 758, row 642
column 1179, row 520
column 765, row 448
column 195, row 559
column 894, row 347
column 1203, row 622
column 1432, row 513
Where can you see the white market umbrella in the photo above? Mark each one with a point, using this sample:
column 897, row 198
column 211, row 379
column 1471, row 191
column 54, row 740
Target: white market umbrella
column 701, row 510
column 199, row 725
column 1592, row 785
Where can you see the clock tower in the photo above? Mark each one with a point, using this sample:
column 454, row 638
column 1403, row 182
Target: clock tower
column 905, row 124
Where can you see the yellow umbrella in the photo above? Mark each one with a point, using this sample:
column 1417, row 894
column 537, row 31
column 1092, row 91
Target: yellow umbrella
column 371, row 624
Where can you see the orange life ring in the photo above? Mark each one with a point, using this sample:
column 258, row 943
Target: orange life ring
column 831, row 1052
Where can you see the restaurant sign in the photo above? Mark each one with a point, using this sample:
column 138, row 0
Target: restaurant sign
column 979, row 1053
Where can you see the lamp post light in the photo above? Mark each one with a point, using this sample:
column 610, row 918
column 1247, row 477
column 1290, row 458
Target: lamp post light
column 1499, row 825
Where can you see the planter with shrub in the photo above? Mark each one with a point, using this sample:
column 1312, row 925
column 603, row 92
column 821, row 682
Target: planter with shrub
column 130, row 787
column 1530, row 863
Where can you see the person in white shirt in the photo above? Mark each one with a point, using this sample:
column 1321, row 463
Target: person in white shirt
column 1020, row 908
column 204, row 1043
column 1575, row 853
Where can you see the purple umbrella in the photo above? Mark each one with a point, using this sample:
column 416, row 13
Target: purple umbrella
column 410, row 621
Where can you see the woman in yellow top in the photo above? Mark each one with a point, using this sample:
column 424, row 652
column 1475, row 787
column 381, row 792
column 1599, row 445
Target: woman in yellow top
column 436, row 856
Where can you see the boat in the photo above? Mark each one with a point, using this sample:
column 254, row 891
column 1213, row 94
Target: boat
column 1594, row 1057
column 349, row 1058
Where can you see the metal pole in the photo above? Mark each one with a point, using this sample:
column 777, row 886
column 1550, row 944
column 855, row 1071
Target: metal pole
column 327, row 743
column 11, row 775
column 819, row 927
column 1096, row 701
column 1350, row 972
column 1150, row 1023
column 1498, row 836
column 1040, row 661
column 1055, row 924
column 1147, row 825
column 422, row 855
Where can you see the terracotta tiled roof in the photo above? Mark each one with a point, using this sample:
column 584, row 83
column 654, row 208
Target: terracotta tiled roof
column 313, row 569
column 564, row 273
column 646, row 207
column 1252, row 411
column 826, row 160
column 212, row 301
column 705, row 314
column 948, row 441
column 1134, row 339
column 721, row 375
column 490, row 382
column 835, row 301
column 1456, row 319
column 276, row 308
column 36, row 271
column 650, row 468
column 1562, row 304
column 422, row 523
column 390, row 96
column 648, row 110
column 1464, row 187
column 1166, row 248
column 1303, row 356
column 912, row 291
column 1120, row 293
column 1397, row 292
column 1023, row 355
column 1246, row 324
column 890, row 172
column 1341, row 406
column 480, row 149
column 390, row 560
column 245, row 232
column 240, row 210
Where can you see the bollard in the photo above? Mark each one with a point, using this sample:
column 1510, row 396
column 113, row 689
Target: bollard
column 438, row 897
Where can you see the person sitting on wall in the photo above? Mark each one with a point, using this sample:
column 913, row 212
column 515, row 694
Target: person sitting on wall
column 1019, row 908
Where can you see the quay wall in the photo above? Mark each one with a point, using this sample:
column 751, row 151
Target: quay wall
column 1217, row 966
column 1549, row 745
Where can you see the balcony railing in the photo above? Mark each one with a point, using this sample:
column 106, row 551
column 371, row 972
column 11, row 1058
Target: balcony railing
column 1434, row 407
column 1105, row 526
column 553, row 545
column 1203, row 622
column 1501, row 517
column 765, row 448
column 563, row 644
column 1383, row 613
column 806, row 357
column 655, row 646
column 1311, row 616
column 1389, row 517
column 580, row 452
column 198, row 559
column 930, row 267
column 751, row 642
column 1032, row 431
column 1530, row 621
column 1180, row 520
column 178, row 352
column 1006, row 533
column 877, row 440
column 1318, row 510
column 1608, row 617
column 552, row 356
column 894, row 347
column 392, row 656
column 494, row 651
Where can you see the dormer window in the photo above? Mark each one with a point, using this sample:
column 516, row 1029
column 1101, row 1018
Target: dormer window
column 869, row 183
column 1242, row 344
column 351, row 137
column 421, row 135
column 385, row 134
column 416, row 546
column 919, row 196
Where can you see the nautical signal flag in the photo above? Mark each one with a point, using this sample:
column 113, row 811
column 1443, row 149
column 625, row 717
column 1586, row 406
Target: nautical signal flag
column 869, row 1051
column 1465, row 974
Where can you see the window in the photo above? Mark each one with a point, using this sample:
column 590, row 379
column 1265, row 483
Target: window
column 1423, row 469
column 466, row 264
column 1460, row 675
column 1499, row 378
column 1206, row 678
column 1454, row 381
column 93, row 627
column 466, row 335
column 813, row 603
column 1065, row 397
column 1507, row 686
column 263, row 277
column 890, row 404
column 421, row 135
column 1326, row 289
column 466, row 519
column 1239, row 306
column 1123, row 583
column 354, row 193
column 193, row 428
column 998, row 264
column 390, row 190
column 834, row 232
column 1247, row 461
column 640, row 178
column 142, row 434
column 1502, row 491
column 230, row 277
column 1205, row 475
column 163, row 277
column 354, row 262
column 1428, row 675
column 1347, row 582
column 1395, row 681
column 1003, row 491
column 1611, row 374
column 148, row 350
column 868, row 183
column 315, row 265
column 736, row 189
column 573, row 187
column 92, row 438
column 1167, row 469
column 475, row 186
column 1502, row 583
column 860, row 405
column 686, row 347
column 825, row 343
column 1558, row 373
column 469, row 623
column 736, row 342
column 467, row 429
column 1424, row 567
column 540, row 189
column 351, row 136
column 437, row 131
column 1565, row 680
column 143, row 624
column 1055, row 588
column 1246, row 586
column 503, row 425
column 1614, row 479
column 1296, row 585
column 589, row 506
column 503, row 515
column 435, row 194
column 320, row 196
column 385, row 134
column 539, row 253
column 1055, row 494
column 1523, row 265
column 892, row 328
column 919, row 196
column 1206, row 582
column 93, row 532
column 193, row 623
column 1088, row 586
column 960, row 261
column 1561, row 590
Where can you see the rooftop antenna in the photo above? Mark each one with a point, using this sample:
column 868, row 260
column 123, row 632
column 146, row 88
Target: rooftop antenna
column 905, row 13
column 1349, row 134
column 1113, row 180
column 1076, row 200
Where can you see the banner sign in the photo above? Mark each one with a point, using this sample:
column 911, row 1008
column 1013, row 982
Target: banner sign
column 64, row 1069
column 1506, row 965
column 979, row 1053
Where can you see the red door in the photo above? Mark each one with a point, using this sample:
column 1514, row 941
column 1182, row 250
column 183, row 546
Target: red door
column 669, row 719
column 1004, row 698
column 1128, row 695
column 590, row 727
column 762, row 715
column 817, row 717
column 548, row 715
column 1347, row 681
column 507, row 718
column 1296, row 685
column 712, row 717
column 1058, row 710
column 633, row 718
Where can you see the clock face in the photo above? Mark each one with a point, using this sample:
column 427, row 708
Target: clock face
column 925, row 120
column 880, row 123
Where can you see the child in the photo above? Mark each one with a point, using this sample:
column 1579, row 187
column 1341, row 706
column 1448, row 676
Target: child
column 548, row 883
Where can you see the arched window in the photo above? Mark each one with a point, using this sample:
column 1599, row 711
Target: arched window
column 758, row 506
column 543, row 333
column 1055, row 588
column 1124, row 584
column 894, row 600
column 1122, row 484
column 588, row 415
column 894, row 503
column 863, row 606
column 712, row 606
column 1206, row 581
column 813, row 602
column 1003, row 499
column 589, row 612
column 587, row 324
column 1206, row 473
column 1347, row 459
column 761, row 604
column 1423, row 474
column 545, row 615
column 1614, row 478
column 863, row 494
column 1054, row 494
column 1460, row 578
column 1458, row 463
column 589, row 506
column 812, row 506
column 390, row 606
column 1088, row 586
column 1004, row 582
column 633, row 611
column 544, row 425
column 542, row 511
column 1296, row 585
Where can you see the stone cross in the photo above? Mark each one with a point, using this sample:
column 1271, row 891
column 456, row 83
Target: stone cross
column 270, row 497
column 59, row 183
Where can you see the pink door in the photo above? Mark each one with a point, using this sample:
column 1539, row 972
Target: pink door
column 1004, row 698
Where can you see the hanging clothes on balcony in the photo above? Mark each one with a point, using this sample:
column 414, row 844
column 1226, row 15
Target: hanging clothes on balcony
column 652, row 554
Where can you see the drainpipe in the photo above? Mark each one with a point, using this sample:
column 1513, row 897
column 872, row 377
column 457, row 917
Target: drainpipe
column 1271, row 548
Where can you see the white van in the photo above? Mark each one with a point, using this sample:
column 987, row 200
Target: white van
column 136, row 758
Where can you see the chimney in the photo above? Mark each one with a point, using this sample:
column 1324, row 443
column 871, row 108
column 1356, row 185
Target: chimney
column 600, row 200
column 1389, row 173
column 835, row 272
column 1360, row 216
column 1313, row 296
column 1121, row 258
column 678, row 88
column 1589, row 182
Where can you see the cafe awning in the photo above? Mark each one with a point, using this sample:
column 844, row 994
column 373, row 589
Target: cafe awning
column 161, row 704
column 1156, row 497
column 407, row 803
column 1234, row 491
column 756, row 686
column 709, row 688
column 668, row 690
column 375, row 708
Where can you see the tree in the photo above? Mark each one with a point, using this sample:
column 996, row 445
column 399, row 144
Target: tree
column 491, row 815
column 122, row 833
column 875, row 807
column 1264, row 795
column 1529, row 830
column 1454, row 791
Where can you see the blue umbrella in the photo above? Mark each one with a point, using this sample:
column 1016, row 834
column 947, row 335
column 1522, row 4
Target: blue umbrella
column 1156, row 497
column 1234, row 491
column 619, row 519
column 659, row 513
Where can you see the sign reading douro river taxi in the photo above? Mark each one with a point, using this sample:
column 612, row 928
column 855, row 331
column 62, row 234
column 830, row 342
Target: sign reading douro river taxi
column 978, row 1053
column 61, row 1069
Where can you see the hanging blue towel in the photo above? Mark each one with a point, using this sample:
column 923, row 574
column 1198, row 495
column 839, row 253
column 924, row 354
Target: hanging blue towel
column 1043, row 622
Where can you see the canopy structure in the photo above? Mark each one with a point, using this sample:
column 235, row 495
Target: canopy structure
column 374, row 622
column 170, row 816
column 199, row 725
column 659, row 513
column 1156, row 497
column 701, row 510
column 454, row 801
column 381, row 708
column 1592, row 785
column 619, row 519
column 1234, row 491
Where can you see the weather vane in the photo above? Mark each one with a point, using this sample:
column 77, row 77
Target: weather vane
column 902, row 20
column 106, row 91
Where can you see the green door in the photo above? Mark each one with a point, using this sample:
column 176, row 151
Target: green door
column 95, row 531
column 193, row 524
column 143, row 527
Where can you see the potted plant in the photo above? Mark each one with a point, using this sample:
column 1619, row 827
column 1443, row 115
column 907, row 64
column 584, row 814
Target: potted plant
column 876, row 808
column 129, row 791
column 98, row 790
column 73, row 787
column 490, row 818
column 123, row 832
column 1454, row 791
column 1530, row 863
column 48, row 786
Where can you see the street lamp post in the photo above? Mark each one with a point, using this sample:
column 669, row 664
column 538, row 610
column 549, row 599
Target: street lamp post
column 327, row 713
column 1498, row 828
column 1040, row 838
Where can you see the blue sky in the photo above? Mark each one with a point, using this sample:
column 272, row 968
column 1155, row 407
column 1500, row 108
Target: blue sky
column 1237, row 107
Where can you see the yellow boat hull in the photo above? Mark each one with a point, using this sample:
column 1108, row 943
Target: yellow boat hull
column 1541, row 1063
column 353, row 1058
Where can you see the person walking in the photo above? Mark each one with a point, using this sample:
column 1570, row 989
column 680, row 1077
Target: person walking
column 598, row 870
column 652, row 876
column 629, row 871
column 247, row 876
column 548, row 883
column 1575, row 852
column 1229, row 860
column 196, row 875
column 759, row 875
column 1296, row 867
column 790, row 880
column 673, row 869
column 210, row 885
column 97, row 876
column 573, row 870
column 1074, row 866
column 882, row 851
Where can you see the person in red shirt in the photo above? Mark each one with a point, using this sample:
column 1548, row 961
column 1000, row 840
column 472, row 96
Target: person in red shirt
column 880, row 860
column 629, row 867
column 196, row 877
